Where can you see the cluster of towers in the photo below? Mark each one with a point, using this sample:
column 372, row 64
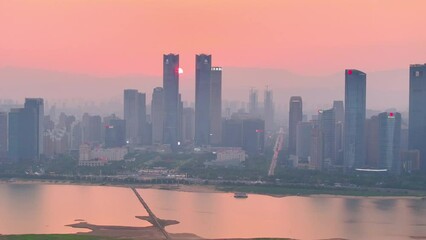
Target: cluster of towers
column 342, row 137
column 177, row 126
column 171, row 123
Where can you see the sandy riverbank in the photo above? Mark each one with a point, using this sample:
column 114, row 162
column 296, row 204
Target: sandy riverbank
column 147, row 233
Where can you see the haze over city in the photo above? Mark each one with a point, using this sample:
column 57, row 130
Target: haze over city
column 295, row 47
column 212, row 119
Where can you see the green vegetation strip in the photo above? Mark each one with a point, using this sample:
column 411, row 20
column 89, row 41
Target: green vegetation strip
column 304, row 191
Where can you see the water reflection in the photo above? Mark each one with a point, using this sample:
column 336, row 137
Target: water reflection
column 34, row 208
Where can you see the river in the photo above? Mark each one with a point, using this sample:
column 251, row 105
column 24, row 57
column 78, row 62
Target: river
column 45, row 208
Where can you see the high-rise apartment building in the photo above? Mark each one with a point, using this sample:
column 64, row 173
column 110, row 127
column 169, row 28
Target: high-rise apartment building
column 295, row 116
column 3, row 135
column 135, row 116
column 268, row 110
column 253, row 107
column 157, row 115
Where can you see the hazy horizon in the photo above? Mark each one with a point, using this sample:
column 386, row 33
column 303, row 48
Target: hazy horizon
column 92, row 50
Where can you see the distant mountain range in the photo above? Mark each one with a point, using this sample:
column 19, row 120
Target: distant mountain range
column 385, row 89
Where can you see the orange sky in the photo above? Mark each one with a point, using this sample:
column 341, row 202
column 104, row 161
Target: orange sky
column 119, row 37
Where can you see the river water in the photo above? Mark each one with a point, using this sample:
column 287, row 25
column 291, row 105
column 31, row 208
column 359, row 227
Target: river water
column 44, row 208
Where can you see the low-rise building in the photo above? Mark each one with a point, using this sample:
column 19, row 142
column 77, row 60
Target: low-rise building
column 100, row 156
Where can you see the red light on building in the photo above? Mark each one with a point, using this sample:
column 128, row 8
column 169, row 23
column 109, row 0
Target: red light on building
column 259, row 130
column 350, row 72
column 391, row 114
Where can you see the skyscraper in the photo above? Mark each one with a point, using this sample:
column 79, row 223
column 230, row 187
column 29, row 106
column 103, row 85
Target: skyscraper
column 295, row 116
column 203, row 65
column 372, row 154
column 327, row 124
column 3, row 135
column 76, row 136
column 92, row 129
column 316, row 161
column 157, row 115
column 115, row 133
column 268, row 110
column 390, row 141
column 23, row 134
column 180, row 120
column 417, row 112
column 38, row 105
column 339, row 111
column 188, row 125
column 171, row 99
column 232, row 133
column 355, row 98
column 303, row 146
column 134, row 115
column 253, row 107
column 253, row 135
column 216, row 106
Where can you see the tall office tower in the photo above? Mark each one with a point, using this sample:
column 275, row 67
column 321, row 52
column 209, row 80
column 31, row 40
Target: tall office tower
column 232, row 133
column 95, row 129
column 268, row 110
column 3, row 135
column 180, row 120
column 216, row 106
column 23, row 134
column 339, row 111
column 76, row 135
column 404, row 139
column 372, row 142
column 188, row 128
column 303, row 145
column 317, row 148
column 134, row 115
column 115, row 133
column 253, row 107
column 327, row 124
column 390, row 141
column 253, row 135
column 355, row 97
column 417, row 112
column 157, row 115
column 92, row 129
column 171, row 99
column 295, row 116
column 338, row 155
column 203, row 65
column 38, row 105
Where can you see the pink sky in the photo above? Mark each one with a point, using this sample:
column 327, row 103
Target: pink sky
column 119, row 37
